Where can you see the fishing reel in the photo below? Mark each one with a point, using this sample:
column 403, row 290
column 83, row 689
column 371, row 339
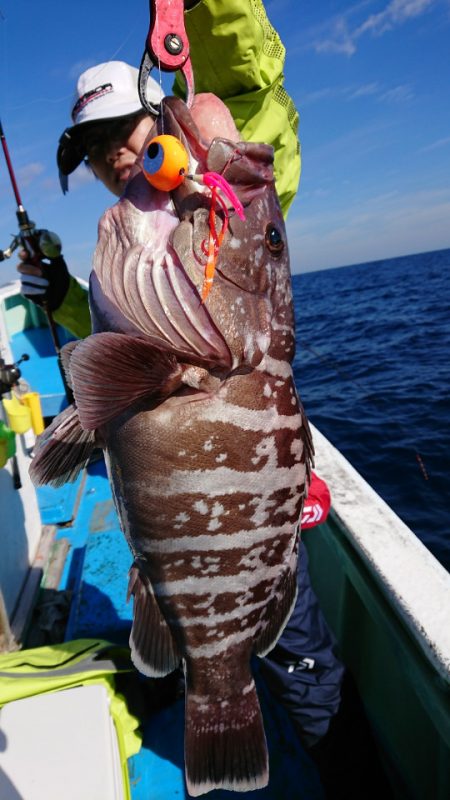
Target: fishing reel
column 48, row 243
column 10, row 374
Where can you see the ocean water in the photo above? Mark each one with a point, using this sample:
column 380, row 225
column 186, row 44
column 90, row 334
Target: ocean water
column 373, row 370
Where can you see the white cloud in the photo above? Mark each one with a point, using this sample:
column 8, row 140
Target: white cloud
column 436, row 145
column 398, row 94
column 364, row 91
column 27, row 174
column 79, row 67
column 384, row 226
column 348, row 93
column 315, row 97
column 396, row 13
column 81, row 177
column 342, row 37
column 340, row 40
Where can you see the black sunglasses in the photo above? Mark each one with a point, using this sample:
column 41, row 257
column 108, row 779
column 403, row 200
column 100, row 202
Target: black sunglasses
column 98, row 136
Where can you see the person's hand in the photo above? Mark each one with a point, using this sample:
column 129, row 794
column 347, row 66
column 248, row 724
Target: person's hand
column 45, row 278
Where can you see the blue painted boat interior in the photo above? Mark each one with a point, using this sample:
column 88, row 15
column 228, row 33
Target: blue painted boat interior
column 96, row 571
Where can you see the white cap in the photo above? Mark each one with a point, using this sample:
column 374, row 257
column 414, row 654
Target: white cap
column 111, row 90
column 106, row 91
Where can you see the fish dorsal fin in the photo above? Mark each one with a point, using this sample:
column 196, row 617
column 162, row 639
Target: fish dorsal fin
column 111, row 371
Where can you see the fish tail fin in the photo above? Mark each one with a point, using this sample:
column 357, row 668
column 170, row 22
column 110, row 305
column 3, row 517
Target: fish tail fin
column 62, row 450
column 225, row 743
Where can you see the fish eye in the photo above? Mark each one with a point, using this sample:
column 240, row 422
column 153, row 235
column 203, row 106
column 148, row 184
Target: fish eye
column 165, row 162
column 274, row 241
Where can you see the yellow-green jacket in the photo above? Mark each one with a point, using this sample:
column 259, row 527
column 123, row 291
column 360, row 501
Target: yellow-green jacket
column 237, row 55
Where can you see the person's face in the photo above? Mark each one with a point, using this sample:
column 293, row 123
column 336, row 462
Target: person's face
column 112, row 148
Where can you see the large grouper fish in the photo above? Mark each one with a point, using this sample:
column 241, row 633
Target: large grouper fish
column 207, row 445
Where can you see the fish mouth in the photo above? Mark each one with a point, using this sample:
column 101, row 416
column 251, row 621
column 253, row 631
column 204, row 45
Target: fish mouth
column 248, row 167
column 177, row 121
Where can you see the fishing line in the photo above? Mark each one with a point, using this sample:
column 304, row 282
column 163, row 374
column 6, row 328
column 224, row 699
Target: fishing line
column 159, row 71
column 326, row 360
column 4, row 70
column 66, row 97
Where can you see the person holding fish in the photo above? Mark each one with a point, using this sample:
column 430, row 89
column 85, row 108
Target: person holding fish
column 238, row 57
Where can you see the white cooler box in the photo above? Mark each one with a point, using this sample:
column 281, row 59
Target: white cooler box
column 60, row 746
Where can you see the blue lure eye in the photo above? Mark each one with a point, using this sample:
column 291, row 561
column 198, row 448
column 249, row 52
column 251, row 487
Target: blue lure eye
column 154, row 157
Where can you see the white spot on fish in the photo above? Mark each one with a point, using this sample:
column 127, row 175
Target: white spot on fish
column 263, row 342
column 182, row 453
column 217, row 509
column 214, row 525
column 213, row 569
column 267, row 391
column 297, row 448
column 181, row 518
column 221, row 457
column 208, row 446
column 201, row 507
column 275, row 367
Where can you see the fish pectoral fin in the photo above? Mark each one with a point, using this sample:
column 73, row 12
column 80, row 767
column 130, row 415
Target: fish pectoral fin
column 153, row 650
column 111, row 371
column 277, row 612
column 66, row 355
column 62, row 450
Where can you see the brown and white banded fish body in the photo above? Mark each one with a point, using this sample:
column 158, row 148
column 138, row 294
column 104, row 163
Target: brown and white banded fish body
column 206, row 441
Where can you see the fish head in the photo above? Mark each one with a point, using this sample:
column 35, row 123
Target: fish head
column 156, row 243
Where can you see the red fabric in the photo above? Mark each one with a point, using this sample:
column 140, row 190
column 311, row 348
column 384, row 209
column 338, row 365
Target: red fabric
column 317, row 504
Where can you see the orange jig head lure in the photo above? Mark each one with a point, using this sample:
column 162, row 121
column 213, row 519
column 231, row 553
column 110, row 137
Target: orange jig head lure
column 165, row 167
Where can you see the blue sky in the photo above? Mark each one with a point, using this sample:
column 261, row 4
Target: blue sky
column 370, row 79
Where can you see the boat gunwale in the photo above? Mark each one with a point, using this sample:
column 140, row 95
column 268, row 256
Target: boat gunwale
column 413, row 581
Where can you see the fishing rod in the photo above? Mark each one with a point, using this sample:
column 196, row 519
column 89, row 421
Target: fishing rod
column 37, row 246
